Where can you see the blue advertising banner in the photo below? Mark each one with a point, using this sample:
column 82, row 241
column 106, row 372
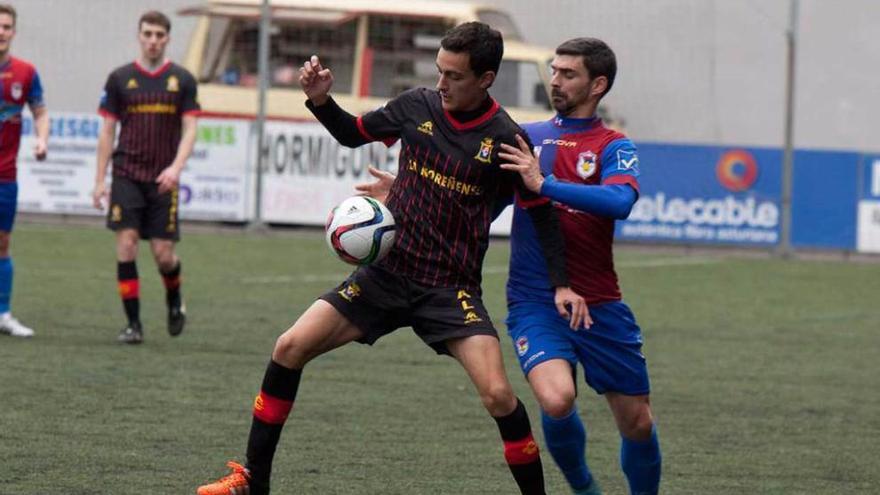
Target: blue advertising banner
column 870, row 177
column 824, row 199
column 706, row 194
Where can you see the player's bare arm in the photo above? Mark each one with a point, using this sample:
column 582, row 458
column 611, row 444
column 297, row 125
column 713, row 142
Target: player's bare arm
column 169, row 178
column 316, row 80
column 41, row 128
column 522, row 160
column 378, row 189
column 105, row 147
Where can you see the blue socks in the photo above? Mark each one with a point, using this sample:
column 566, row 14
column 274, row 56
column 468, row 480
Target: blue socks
column 566, row 440
column 641, row 464
column 5, row 283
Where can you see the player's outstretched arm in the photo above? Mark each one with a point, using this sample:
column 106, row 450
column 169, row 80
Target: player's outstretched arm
column 316, row 81
column 520, row 159
column 608, row 200
column 378, row 189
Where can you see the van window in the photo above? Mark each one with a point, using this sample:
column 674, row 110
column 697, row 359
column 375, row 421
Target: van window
column 403, row 52
column 502, row 22
column 519, row 84
column 231, row 52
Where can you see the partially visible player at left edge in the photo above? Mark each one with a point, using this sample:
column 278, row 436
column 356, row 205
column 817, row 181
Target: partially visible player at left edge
column 19, row 85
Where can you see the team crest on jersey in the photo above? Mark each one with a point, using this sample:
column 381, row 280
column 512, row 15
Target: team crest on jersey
column 116, row 213
column 627, row 160
column 16, row 91
column 173, row 84
column 522, row 346
column 427, row 127
column 350, row 291
column 132, row 84
column 485, row 153
column 586, row 165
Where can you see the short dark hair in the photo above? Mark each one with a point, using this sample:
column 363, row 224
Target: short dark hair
column 5, row 8
column 598, row 57
column 484, row 45
column 157, row 18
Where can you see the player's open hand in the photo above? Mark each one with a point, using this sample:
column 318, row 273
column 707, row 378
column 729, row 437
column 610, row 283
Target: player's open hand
column 99, row 195
column 521, row 159
column 316, row 80
column 168, row 179
column 378, row 189
column 40, row 150
column 572, row 307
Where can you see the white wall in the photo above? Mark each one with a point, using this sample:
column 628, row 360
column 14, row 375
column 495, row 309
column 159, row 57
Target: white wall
column 698, row 71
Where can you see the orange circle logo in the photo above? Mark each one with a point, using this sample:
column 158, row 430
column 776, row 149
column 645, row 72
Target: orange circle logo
column 737, row 170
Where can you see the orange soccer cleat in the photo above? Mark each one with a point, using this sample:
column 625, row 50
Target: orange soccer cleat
column 234, row 483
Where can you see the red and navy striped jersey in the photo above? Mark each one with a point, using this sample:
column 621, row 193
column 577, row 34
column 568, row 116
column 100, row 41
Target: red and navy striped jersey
column 19, row 84
column 579, row 151
column 448, row 181
column 149, row 107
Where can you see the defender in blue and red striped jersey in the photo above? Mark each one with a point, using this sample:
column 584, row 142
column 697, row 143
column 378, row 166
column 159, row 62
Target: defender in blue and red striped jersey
column 19, row 86
column 591, row 174
column 442, row 202
column 154, row 103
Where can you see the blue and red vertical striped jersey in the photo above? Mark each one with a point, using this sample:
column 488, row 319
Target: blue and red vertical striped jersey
column 448, row 180
column 19, row 85
column 579, row 151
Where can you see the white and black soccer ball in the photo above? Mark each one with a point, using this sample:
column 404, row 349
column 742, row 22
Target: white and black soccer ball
column 360, row 230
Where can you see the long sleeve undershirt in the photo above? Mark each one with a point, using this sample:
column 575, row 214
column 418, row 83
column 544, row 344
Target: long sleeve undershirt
column 612, row 200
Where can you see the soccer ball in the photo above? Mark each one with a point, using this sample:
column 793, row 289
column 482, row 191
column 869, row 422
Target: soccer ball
column 360, row 230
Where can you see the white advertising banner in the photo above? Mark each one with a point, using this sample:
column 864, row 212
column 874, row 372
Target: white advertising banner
column 307, row 172
column 63, row 182
column 214, row 184
column 868, row 230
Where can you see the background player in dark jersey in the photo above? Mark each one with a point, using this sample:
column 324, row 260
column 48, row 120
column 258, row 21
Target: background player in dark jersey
column 19, row 85
column 592, row 176
column 442, row 202
column 154, row 102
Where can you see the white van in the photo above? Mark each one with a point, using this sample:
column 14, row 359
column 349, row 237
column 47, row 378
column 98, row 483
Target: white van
column 376, row 49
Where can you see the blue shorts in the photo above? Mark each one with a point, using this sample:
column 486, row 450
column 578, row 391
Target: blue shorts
column 610, row 351
column 8, row 205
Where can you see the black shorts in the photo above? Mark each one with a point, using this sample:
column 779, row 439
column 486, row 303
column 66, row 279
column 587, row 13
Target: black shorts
column 379, row 302
column 138, row 205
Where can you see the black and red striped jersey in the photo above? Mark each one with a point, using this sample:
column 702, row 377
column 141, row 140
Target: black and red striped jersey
column 448, row 181
column 149, row 107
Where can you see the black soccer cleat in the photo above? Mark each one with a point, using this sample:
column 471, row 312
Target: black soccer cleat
column 176, row 318
column 131, row 334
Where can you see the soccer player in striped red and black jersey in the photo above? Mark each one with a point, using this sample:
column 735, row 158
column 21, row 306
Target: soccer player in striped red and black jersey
column 154, row 102
column 19, row 86
column 443, row 201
